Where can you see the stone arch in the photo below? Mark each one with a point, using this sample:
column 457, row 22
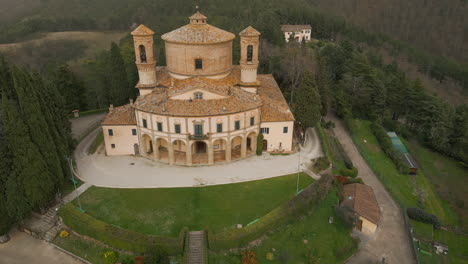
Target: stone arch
column 147, row 144
column 180, row 151
column 142, row 50
column 219, row 150
column 162, row 146
column 236, row 147
column 251, row 142
column 199, row 150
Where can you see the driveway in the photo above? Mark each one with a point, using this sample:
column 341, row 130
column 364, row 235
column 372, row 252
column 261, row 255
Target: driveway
column 81, row 125
column 138, row 172
column 391, row 240
column 23, row 248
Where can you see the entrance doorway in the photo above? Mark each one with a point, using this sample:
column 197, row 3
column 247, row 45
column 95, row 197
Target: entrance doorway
column 265, row 145
column 136, row 148
column 200, row 147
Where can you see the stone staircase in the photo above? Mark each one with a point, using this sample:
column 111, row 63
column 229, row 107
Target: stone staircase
column 196, row 247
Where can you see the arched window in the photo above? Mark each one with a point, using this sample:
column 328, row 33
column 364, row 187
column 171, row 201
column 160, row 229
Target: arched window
column 142, row 54
column 249, row 52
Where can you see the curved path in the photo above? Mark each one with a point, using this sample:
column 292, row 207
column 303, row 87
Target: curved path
column 138, row 172
column 391, row 240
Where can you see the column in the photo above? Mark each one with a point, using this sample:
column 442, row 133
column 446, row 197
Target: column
column 188, row 153
column 210, row 153
column 228, row 149
column 244, row 147
column 155, row 149
column 170, row 149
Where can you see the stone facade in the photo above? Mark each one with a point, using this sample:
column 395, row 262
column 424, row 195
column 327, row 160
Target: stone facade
column 199, row 109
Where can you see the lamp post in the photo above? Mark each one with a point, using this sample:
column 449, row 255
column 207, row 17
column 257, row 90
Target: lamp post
column 72, row 178
column 298, row 163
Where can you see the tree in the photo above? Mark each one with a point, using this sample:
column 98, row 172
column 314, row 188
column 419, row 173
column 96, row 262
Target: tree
column 120, row 91
column 307, row 103
column 323, row 82
column 70, row 88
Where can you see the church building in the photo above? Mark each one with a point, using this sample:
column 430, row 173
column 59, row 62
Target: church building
column 199, row 109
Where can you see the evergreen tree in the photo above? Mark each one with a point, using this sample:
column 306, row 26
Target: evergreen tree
column 29, row 185
column 70, row 87
column 307, row 103
column 120, row 91
column 5, row 173
column 323, row 83
column 33, row 116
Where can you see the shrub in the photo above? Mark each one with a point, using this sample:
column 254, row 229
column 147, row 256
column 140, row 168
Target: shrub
column 157, row 255
column 349, row 172
column 355, row 180
column 126, row 260
column 115, row 236
column 321, row 164
column 64, row 234
column 386, row 145
column 259, row 144
column 110, row 257
column 249, row 257
column 422, row 216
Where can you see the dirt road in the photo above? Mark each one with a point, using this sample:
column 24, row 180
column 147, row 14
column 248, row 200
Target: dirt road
column 390, row 240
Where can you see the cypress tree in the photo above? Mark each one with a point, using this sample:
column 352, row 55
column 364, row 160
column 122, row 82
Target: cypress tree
column 70, row 87
column 120, row 91
column 5, row 173
column 28, row 186
column 34, row 117
column 307, row 103
column 323, row 83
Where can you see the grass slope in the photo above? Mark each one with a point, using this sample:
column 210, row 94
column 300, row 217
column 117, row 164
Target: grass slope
column 165, row 211
column 449, row 177
column 409, row 191
column 326, row 243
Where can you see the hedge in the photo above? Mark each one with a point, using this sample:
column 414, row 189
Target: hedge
column 386, row 145
column 117, row 237
column 259, row 149
column 91, row 112
column 286, row 212
column 422, row 216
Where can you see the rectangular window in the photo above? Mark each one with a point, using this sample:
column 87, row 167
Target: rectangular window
column 285, row 130
column 159, row 124
column 265, row 130
column 134, row 132
column 237, row 125
column 145, row 124
column 252, row 121
column 198, row 64
column 198, row 129
column 177, row 128
column 219, row 127
column 112, row 145
column 111, row 132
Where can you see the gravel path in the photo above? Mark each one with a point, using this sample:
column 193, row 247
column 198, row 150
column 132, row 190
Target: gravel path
column 390, row 240
column 81, row 125
column 138, row 172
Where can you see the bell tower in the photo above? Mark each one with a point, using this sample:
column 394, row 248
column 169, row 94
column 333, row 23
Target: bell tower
column 143, row 43
column 249, row 40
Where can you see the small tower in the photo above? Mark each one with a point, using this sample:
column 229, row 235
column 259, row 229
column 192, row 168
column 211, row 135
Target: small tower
column 143, row 43
column 249, row 40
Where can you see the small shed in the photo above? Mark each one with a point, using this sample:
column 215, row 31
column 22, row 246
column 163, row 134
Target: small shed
column 406, row 156
column 76, row 113
column 361, row 200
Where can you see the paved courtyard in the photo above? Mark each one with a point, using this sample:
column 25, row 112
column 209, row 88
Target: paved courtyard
column 139, row 172
column 23, row 248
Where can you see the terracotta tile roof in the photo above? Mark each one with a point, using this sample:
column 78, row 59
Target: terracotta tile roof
column 270, row 99
column 198, row 15
column 361, row 199
column 274, row 107
column 198, row 34
column 249, row 32
column 142, row 30
column 121, row 115
column 290, row 28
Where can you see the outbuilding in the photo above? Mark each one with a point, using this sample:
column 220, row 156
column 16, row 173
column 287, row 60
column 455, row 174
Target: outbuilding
column 361, row 200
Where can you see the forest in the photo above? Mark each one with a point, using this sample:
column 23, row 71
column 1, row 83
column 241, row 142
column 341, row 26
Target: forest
column 337, row 72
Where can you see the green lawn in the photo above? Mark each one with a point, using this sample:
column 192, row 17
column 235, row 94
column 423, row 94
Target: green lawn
column 448, row 176
column 326, row 243
column 86, row 249
column 165, row 211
